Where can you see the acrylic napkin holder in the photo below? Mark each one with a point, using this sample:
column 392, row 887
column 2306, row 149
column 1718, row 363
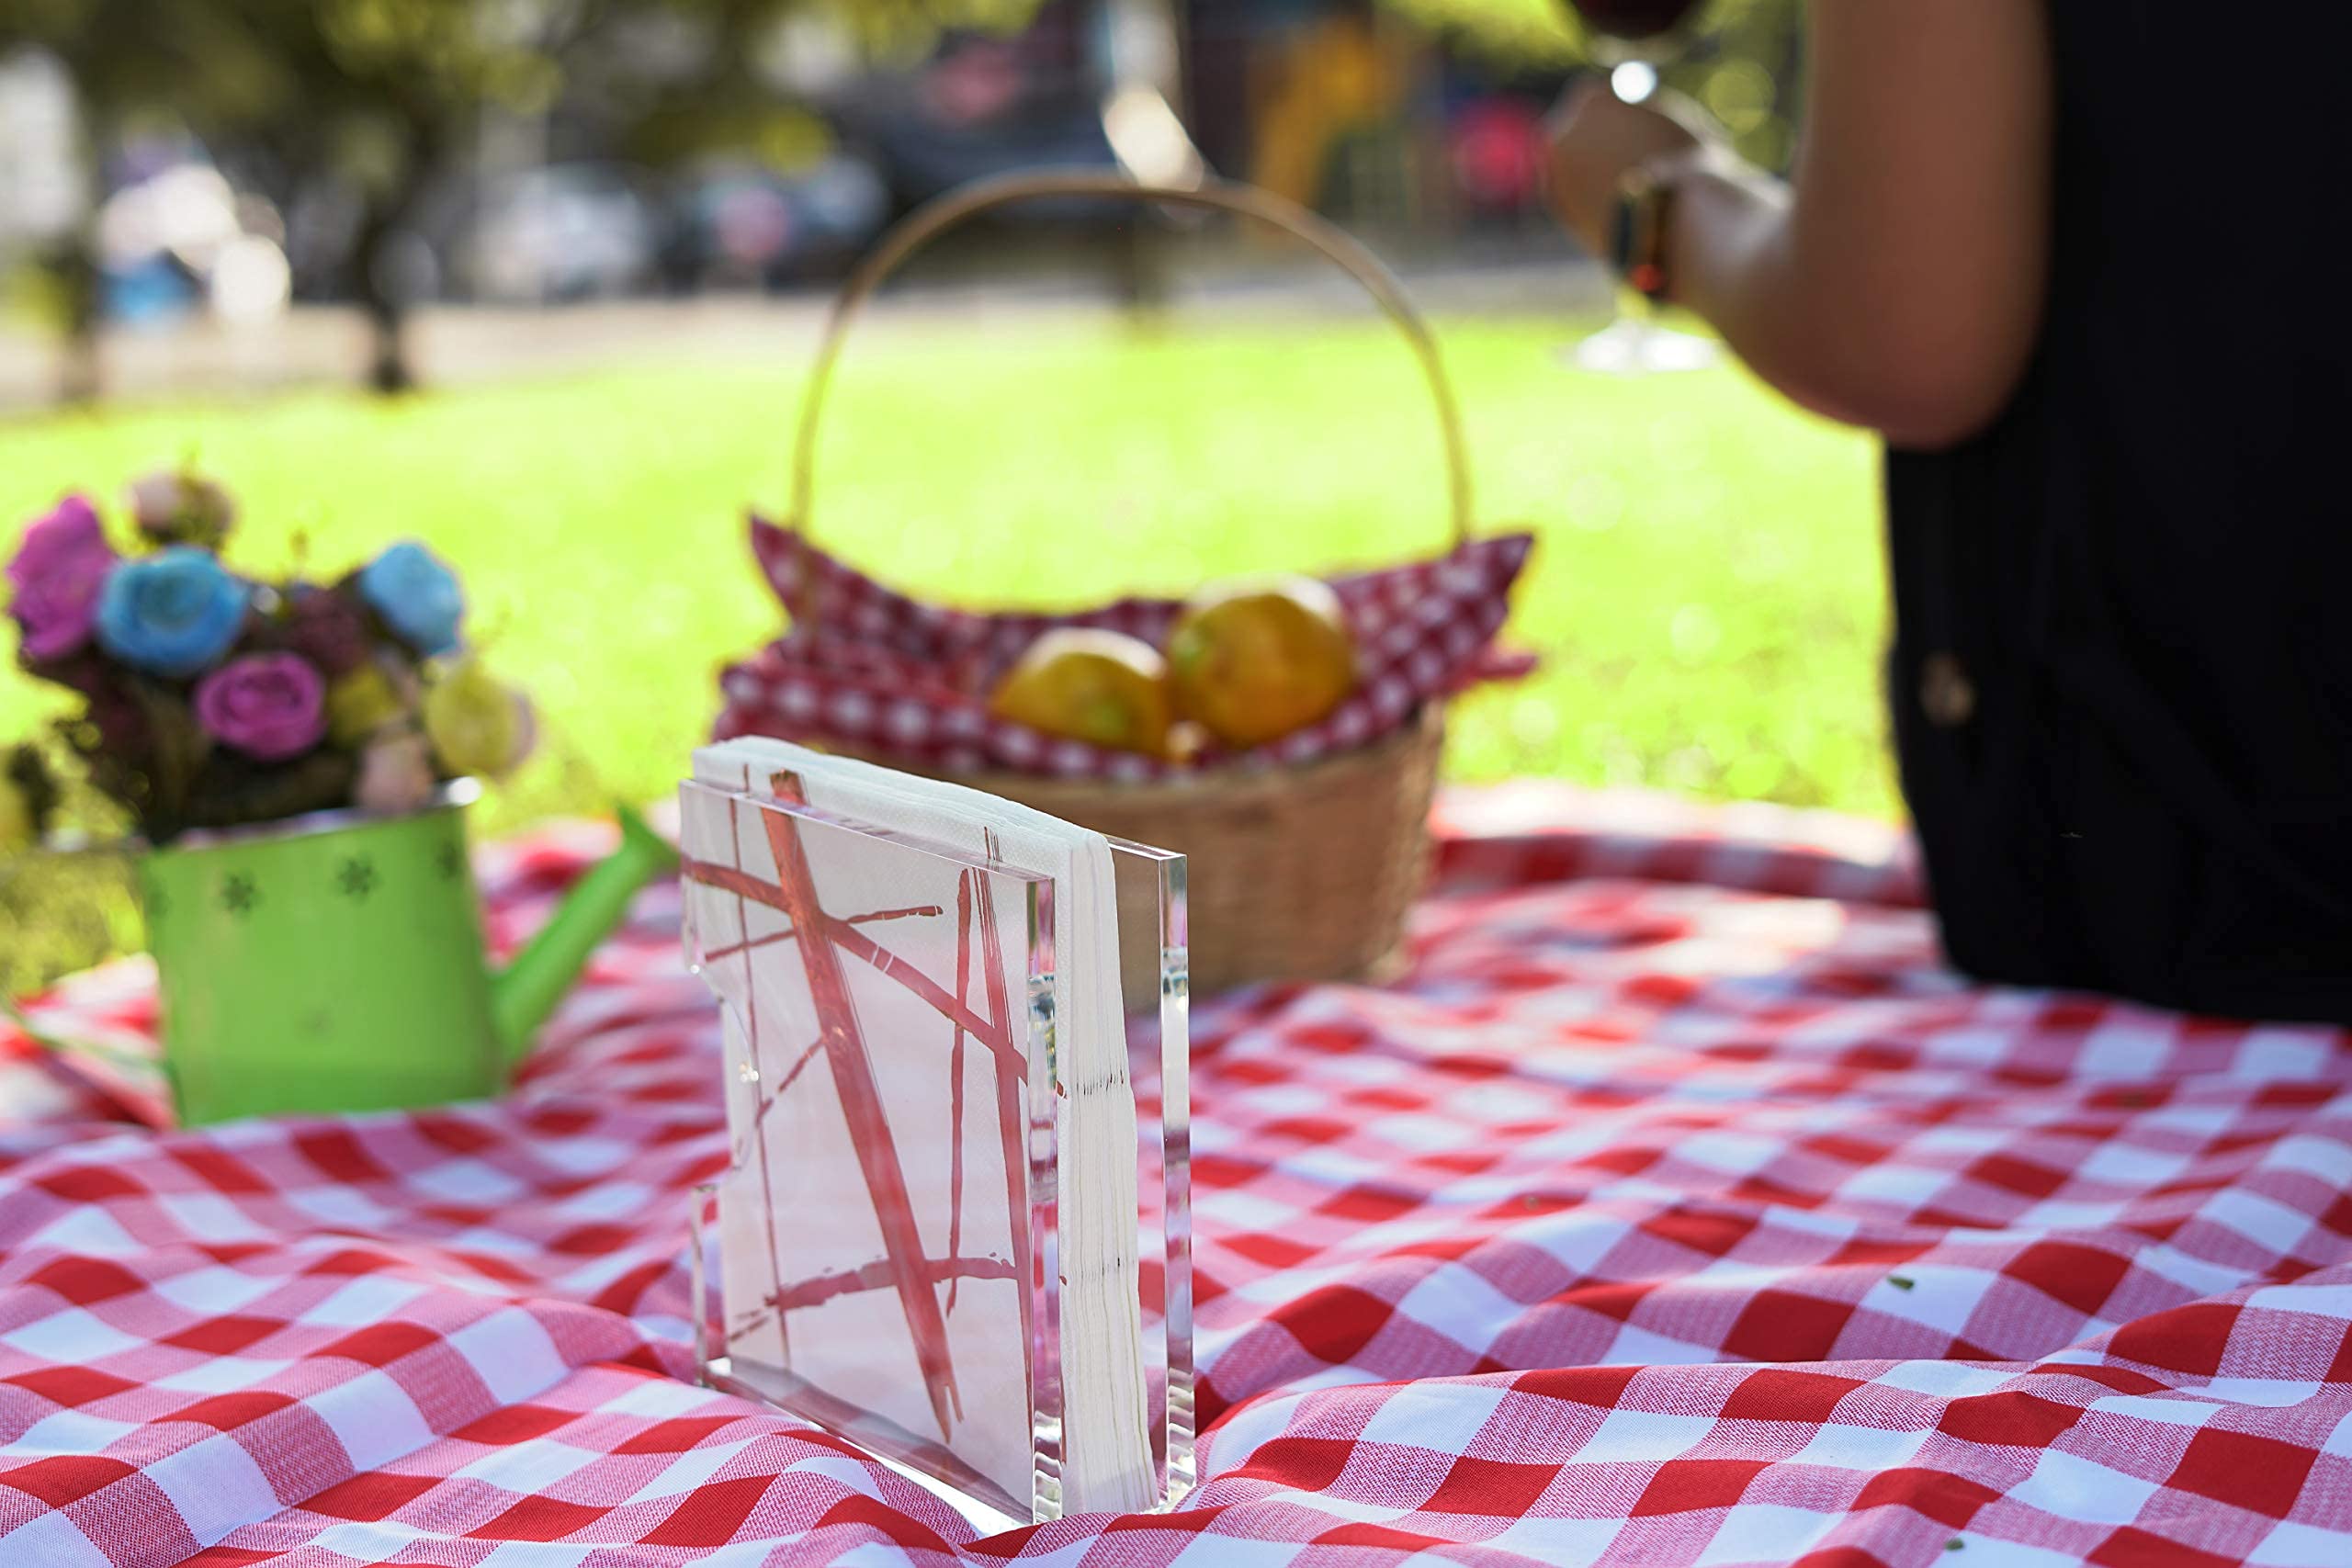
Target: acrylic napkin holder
column 882, row 1258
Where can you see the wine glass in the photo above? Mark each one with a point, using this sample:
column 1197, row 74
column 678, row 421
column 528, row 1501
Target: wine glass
column 1636, row 38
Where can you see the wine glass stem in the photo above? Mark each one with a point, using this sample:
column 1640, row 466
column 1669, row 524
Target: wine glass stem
column 1625, row 346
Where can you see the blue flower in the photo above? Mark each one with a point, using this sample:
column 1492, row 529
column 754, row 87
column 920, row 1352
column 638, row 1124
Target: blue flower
column 172, row 613
column 416, row 595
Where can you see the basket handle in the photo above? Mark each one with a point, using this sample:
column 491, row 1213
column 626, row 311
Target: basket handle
column 935, row 218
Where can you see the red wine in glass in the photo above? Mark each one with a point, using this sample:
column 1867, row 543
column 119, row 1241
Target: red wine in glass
column 1635, row 38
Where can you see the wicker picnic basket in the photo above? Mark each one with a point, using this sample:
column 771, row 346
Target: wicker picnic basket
column 1298, row 872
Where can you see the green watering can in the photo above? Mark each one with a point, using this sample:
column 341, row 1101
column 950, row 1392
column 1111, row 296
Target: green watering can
column 337, row 962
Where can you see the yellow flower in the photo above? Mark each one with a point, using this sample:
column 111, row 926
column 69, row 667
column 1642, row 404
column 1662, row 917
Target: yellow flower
column 476, row 725
column 362, row 703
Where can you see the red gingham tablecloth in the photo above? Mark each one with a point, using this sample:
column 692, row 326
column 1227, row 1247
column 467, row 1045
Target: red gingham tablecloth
column 1676, row 1209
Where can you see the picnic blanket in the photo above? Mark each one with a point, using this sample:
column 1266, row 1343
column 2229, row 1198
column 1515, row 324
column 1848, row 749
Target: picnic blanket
column 1676, row 1209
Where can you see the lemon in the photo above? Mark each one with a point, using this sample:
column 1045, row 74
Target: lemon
column 1252, row 661
column 1101, row 687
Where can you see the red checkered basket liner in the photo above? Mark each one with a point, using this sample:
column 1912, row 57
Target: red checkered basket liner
column 900, row 678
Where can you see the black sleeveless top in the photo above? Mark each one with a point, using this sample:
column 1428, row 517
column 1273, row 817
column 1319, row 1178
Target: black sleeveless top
column 2122, row 669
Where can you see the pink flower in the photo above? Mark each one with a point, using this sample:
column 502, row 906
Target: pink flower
column 56, row 574
column 395, row 775
column 271, row 707
column 179, row 506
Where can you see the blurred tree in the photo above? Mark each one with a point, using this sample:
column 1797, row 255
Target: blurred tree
column 381, row 96
column 130, row 61
column 370, row 95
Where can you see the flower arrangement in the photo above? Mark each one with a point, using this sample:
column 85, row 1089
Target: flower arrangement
column 214, row 700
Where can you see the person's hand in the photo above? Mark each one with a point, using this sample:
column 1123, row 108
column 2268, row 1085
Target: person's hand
column 1595, row 137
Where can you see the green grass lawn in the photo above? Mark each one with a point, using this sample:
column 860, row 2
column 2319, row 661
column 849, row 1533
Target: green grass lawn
column 1708, row 594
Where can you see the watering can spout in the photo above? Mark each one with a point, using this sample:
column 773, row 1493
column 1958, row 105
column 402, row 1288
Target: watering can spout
column 527, row 989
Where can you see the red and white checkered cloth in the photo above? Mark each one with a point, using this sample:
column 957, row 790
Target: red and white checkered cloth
column 1677, row 1209
column 894, row 677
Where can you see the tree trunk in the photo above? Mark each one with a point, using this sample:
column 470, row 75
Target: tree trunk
column 381, row 300
column 388, row 368
column 75, row 263
column 73, row 266
column 81, row 372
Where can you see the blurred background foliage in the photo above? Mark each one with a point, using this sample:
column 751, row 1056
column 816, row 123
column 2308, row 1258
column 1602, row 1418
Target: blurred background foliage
column 375, row 101
column 379, row 96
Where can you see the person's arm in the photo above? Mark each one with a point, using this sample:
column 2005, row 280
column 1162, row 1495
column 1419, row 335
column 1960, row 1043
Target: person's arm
column 1896, row 281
